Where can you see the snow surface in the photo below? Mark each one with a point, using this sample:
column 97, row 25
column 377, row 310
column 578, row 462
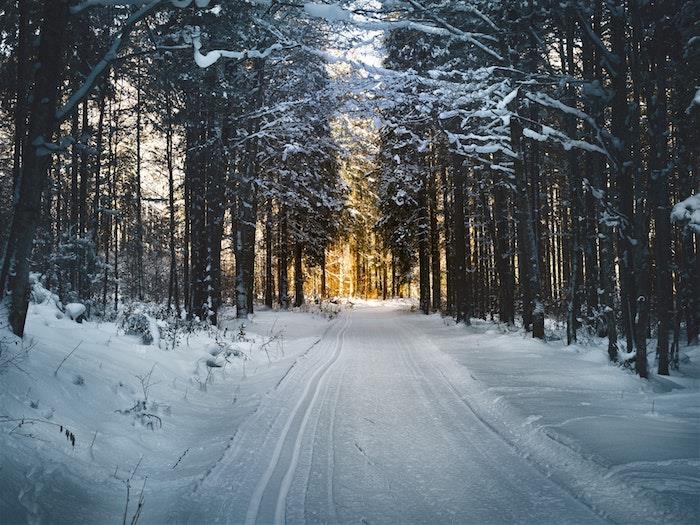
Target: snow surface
column 75, row 310
column 43, row 478
column 380, row 415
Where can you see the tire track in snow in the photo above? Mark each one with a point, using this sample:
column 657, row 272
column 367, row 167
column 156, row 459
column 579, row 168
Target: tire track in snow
column 430, row 366
column 265, row 481
column 449, row 416
column 448, row 424
column 588, row 486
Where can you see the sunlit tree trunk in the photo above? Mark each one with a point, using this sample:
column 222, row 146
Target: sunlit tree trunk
column 282, row 280
column 298, row 275
column 423, row 231
column 449, row 259
column 269, row 284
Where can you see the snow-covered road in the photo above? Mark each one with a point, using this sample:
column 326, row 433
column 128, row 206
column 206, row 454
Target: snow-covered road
column 366, row 427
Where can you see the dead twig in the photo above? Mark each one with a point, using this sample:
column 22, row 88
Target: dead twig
column 180, row 458
column 128, row 495
column 65, row 358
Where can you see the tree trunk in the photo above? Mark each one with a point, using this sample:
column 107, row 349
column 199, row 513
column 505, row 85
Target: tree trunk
column 659, row 163
column 269, row 284
column 528, row 248
column 423, row 231
column 108, row 219
column 215, row 194
column 186, row 259
column 449, row 258
column 22, row 88
column 591, row 176
column 498, row 230
column 247, row 208
column 435, row 244
column 82, row 198
column 97, row 171
column 139, row 211
column 323, row 276
column 195, row 176
column 459, row 238
column 74, row 168
column 173, row 288
column 575, row 191
column 282, row 259
column 298, row 275
column 623, row 174
column 35, row 159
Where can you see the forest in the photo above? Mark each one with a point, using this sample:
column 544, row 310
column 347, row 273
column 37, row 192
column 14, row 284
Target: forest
column 530, row 164
column 525, row 160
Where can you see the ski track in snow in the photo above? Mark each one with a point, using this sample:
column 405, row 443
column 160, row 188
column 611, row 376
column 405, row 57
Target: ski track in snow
column 284, row 487
column 268, row 444
column 374, row 424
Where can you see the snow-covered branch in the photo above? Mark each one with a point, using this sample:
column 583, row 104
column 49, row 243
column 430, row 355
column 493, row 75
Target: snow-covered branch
column 86, row 4
column 336, row 13
column 557, row 136
column 211, row 57
column 109, row 57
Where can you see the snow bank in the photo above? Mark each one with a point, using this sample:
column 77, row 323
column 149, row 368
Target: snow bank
column 75, row 311
column 133, row 411
column 595, row 426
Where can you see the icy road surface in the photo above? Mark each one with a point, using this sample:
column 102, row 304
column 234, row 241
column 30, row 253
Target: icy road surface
column 367, row 427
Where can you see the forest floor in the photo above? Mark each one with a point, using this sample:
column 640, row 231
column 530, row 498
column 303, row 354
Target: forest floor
column 375, row 415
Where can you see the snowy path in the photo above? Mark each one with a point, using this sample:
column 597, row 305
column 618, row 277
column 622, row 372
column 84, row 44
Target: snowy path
column 367, row 428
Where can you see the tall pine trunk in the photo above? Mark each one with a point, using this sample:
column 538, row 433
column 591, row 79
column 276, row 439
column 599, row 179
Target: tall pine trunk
column 575, row 191
column 298, row 275
column 269, row 281
column 435, row 244
column 423, row 230
column 528, row 248
column 282, row 279
column 459, row 240
column 173, row 286
column 659, row 163
column 36, row 159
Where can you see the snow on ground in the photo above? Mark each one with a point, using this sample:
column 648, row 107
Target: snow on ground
column 379, row 415
column 168, row 443
column 571, row 410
